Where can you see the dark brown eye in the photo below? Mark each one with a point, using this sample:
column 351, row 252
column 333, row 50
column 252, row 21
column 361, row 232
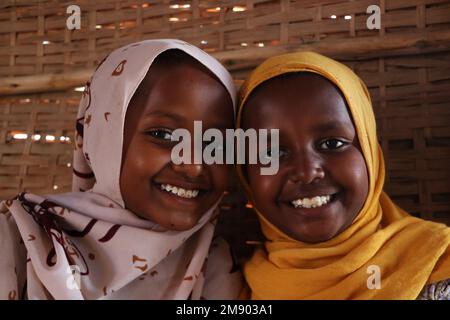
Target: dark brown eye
column 162, row 134
column 331, row 144
column 272, row 153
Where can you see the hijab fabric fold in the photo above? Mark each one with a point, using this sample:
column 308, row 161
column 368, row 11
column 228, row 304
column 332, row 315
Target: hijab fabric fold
column 85, row 244
column 408, row 252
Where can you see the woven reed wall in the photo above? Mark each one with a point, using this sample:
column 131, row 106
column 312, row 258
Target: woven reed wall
column 406, row 65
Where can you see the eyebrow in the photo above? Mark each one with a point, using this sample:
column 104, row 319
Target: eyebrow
column 332, row 125
column 163, row 114
column 179, row 118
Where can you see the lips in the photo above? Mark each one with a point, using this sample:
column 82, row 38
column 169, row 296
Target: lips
column 311, row 202
column 317, row 201
column 292, row 195
column 180, row 192
column 317, row 211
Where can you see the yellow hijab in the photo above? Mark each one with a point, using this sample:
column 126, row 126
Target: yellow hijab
column 409, row 252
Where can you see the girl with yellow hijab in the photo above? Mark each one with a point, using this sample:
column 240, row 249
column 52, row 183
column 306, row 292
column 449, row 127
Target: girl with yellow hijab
column 331, row 232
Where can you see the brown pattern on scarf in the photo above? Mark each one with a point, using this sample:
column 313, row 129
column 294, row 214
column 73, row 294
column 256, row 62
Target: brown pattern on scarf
column 73, row 252
column 88, row 119
column 51, row 206
column 84, row 232
column 101, row 62
column 86, row 156
column 110, row 234
column 78, row 145
column 79, row 133
column 142, row 277
column 106, row 115
column 136, row 259
column 31, row 237
column 12, row 295
column 82, row 175
column 119, row 69
column 9, row 202
column 87, row 93
column 42, row 215
column 130, row 46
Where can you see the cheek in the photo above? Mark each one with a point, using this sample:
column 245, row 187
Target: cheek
column 354, row 178
column 220, row 174
column 264, row 187
column 143, row 161
column 361, row 175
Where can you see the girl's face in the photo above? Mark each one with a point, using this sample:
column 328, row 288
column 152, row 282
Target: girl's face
column 172, row 96
column 319, row 157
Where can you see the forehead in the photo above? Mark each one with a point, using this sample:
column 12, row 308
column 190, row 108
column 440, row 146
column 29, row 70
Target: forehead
column 185, row 88
column 298, row 97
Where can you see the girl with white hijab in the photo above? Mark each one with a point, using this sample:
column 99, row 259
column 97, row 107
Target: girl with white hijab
column 136, row 226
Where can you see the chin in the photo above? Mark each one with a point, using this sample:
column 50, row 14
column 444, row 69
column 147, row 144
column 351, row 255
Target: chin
column 315, row 236
column 181, row 226
column 185, row 222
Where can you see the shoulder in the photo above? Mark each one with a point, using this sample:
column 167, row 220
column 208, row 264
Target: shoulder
column 436, row 291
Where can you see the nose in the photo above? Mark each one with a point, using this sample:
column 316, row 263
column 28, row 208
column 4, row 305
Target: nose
column 188, row 170
column 306, row 168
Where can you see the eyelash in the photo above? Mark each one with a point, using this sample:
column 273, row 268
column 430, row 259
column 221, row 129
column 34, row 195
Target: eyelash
column 268, row 153
column 342, row 144
column 160, row 134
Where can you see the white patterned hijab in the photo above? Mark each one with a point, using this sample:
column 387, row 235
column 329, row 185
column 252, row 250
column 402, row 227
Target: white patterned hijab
column 85, row 244
column 110, row 91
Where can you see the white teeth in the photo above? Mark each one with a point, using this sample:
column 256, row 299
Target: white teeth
column 183, row 193
column 314, row 202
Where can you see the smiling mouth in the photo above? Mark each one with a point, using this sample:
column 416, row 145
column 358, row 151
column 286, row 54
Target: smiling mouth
column 314, row 202
column 179, row 191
